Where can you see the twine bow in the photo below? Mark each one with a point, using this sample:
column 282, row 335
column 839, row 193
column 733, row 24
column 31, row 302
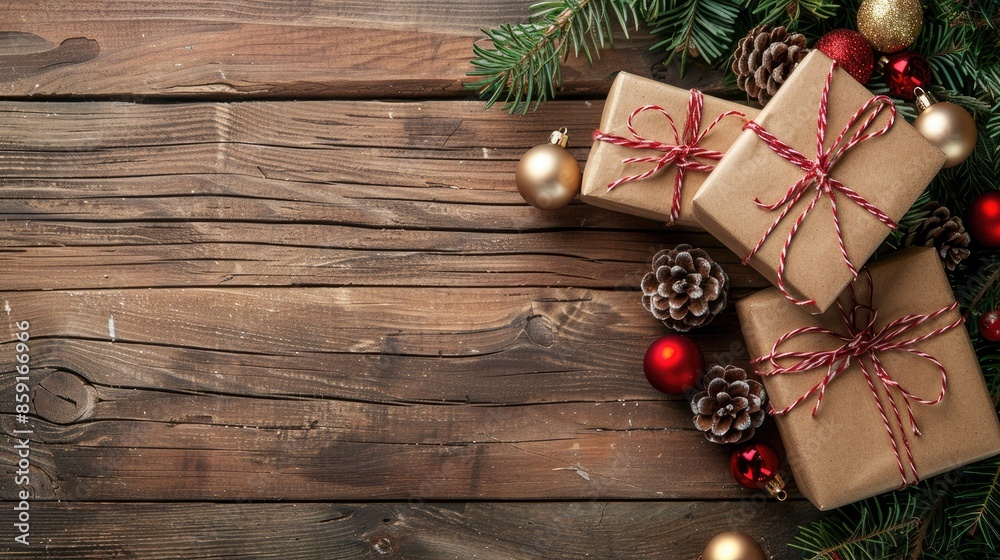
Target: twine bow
column 818, row 174
column 863, row 340
column 681, row 153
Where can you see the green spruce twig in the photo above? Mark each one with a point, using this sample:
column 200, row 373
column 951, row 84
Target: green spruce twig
column 523, row 63
column 976, row 514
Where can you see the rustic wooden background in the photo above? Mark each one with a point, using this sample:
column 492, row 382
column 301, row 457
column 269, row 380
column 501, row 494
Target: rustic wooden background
column 286, row 303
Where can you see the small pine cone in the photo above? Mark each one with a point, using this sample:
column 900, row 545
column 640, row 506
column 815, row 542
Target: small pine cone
column 686, row 288
column 942, row 231
column 765, row 58
column 731, row 408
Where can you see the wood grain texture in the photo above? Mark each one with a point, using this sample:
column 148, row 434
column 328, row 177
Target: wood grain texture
column 340, row 303
column 414, row 531
column 355, row 393
column 278, row 48
column 102, row 195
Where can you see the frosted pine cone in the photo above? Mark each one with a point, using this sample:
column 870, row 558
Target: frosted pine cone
column 731, row 408
column 686, row 288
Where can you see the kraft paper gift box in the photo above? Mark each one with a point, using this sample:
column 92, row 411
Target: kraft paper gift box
column 889, row 172
column 844, row 453
column 652, row 197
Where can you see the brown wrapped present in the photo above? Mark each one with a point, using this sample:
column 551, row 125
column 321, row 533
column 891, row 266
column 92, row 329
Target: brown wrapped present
column 672, row 148
column 770, row 198
column 905, row 329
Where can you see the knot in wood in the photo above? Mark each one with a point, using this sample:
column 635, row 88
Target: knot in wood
column 63, row 397
column 382, row 545
column 540, row 330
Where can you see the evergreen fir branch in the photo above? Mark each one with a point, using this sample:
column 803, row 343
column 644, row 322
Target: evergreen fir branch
column 992, row 128
column 649, row 9
column 976, row 13
column 978, row 291
column 946, row 51
column 523, row 66
column 974, row 105
column 976, row 514
column 867, row 530
column 700, row 28
column 933, row 528
column 789, row 12
column 983, row 62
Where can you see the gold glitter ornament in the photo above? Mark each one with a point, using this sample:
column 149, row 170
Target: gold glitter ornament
column 890, row 25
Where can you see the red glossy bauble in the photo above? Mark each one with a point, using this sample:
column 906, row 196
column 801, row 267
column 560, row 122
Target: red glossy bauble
column 851, row 51
column 673, row 364
column 989, row 325
column 984, row 219
column 755, row 465
column 904, row 72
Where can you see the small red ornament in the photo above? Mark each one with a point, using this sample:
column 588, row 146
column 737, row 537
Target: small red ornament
column 989, row 325
column 984, row 218
column 673, row 364
column 755, row 465
column 904, row 72
column 851, row 51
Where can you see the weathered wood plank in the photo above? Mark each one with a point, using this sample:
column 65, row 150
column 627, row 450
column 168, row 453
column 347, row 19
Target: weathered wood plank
column 255, row 48
column 431, row 531
column 348, row 394
column 44, row 255
column 122, row 195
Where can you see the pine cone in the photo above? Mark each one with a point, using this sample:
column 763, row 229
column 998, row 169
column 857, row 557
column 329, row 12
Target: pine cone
column 942, row 231
column 731, row 408
column 765, row 58
column 686, row 288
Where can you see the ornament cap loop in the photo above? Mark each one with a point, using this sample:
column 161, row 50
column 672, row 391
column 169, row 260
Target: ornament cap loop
column 776, row 488
column 559, row 137
column 881, row 62
column 924, row 98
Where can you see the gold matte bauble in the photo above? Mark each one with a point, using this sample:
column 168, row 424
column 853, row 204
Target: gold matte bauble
column 733, row 545
column 890, row 25
column 548, row 176
column 948, row 126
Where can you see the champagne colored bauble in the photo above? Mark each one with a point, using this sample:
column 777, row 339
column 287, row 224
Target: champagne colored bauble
column 890, row 25
column 548, row 176
column 948, row 126
column 733, row 545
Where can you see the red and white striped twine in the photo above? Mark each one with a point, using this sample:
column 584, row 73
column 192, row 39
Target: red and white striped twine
column 681, row 153
column 818, row 174
column 863, row 340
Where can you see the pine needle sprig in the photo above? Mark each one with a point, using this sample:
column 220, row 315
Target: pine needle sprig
column 523, row 64
column 697, row 28
column 976, row 514
column 789, row 12
column 870, row 529
column 993, row 126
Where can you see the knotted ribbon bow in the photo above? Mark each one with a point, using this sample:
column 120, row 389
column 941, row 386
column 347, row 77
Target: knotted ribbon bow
column 862, row 341
column 681, row 153
column 818, row 174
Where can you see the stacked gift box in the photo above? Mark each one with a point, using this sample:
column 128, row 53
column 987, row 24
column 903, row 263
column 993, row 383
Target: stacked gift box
column 872, row 378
